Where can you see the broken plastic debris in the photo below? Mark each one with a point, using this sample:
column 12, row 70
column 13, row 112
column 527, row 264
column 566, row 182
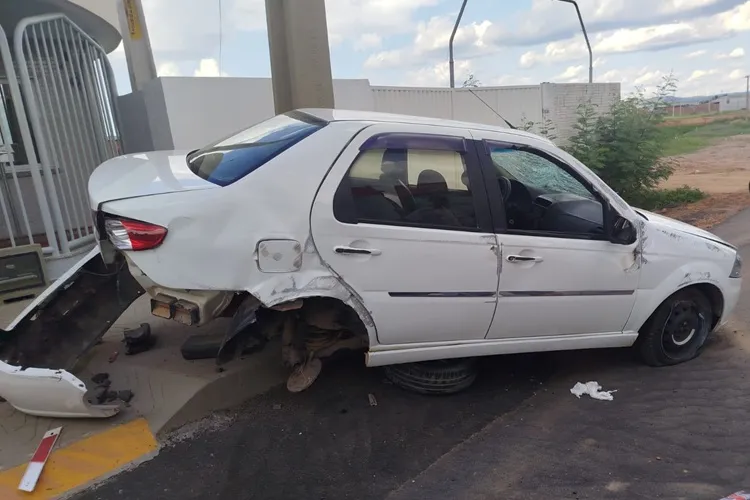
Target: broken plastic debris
column 740, row 495
column 42, row 453
column 373, row 401
column 593, row 389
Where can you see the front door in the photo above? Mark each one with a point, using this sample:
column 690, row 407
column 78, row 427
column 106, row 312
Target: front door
column 560, row 274
column 398, row 220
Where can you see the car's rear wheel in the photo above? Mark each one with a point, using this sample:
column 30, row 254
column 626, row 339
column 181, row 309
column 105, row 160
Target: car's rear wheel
column 677, row 330
column 447, row 376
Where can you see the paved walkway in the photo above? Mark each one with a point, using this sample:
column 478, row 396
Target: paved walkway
column 672, row 433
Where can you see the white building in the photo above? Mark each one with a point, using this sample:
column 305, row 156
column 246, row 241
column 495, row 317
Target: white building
column 732, row 103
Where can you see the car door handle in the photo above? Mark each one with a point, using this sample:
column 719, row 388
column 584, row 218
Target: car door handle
column 356, row 251
column 523, row 258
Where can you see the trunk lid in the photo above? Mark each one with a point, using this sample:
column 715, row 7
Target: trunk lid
column 143, row 174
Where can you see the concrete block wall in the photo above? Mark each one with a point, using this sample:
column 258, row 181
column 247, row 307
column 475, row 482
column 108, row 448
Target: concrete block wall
column 560, row 103
column 188, row 113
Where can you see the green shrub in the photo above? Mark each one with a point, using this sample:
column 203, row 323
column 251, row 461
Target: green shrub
column 657, row 199
column 625, row 146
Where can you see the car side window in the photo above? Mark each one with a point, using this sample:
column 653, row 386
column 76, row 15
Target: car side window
column 409, row 187
column 535, row 171
column 541, row 196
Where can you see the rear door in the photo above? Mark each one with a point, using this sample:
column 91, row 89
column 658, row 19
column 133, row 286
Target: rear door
column 403, row 218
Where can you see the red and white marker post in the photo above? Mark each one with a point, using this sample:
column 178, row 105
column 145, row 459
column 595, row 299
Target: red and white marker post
column 42, row 453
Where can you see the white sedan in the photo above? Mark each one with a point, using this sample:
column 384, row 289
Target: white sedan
column 426, row 243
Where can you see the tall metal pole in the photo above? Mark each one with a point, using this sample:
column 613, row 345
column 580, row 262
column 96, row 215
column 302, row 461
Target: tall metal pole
column 747, row 95
column 586, row 36
column 450, row 45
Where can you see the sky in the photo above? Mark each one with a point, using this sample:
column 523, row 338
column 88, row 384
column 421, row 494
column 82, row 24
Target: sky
column 704, row 43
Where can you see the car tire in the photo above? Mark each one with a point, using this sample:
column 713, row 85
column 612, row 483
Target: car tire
column 434, row 377
column 676, row 332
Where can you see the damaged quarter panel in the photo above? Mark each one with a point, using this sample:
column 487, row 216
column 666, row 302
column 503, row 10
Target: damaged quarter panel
column 252, row 238
column 216, row 248
column 677, row 255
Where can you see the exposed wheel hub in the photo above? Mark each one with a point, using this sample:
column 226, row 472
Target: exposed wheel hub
column 683, row 324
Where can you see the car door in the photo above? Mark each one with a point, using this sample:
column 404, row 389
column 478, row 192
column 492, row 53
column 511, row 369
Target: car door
column 560, row 274
column 396, row 218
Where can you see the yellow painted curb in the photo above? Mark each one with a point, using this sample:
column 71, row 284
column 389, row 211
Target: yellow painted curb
column 82, row 462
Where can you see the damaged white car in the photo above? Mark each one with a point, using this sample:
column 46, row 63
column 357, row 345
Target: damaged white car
column 425, row 243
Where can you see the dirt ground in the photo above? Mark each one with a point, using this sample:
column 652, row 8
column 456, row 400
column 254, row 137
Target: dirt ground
column 721, row 170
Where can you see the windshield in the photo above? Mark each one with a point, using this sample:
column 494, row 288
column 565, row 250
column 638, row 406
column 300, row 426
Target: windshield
column 228, row 160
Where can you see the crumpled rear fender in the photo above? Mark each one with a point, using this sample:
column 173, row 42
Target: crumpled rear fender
column 55, row 330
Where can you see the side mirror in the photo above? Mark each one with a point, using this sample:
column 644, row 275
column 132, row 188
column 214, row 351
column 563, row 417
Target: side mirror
column 623, row 232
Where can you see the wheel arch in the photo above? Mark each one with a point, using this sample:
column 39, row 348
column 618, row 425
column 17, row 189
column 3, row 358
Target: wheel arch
column 710, row 290
column 286, row 289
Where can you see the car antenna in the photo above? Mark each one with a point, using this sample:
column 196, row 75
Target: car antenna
column 493, row 110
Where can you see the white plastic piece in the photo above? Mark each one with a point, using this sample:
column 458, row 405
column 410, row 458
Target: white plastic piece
column 49, row 393
column 36, row 465
column 593, row 389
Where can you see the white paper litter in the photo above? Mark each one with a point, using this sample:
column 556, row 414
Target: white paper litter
column 593, row 389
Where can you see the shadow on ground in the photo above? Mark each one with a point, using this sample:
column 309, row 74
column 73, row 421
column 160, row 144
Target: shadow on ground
column 328, row 442
column 674, row 433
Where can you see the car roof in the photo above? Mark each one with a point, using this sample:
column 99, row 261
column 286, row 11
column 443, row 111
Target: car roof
column 338, row 115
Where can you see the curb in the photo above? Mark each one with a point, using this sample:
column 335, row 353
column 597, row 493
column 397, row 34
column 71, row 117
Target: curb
column 81, row 463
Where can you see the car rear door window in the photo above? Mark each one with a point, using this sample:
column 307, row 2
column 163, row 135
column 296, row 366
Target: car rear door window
column 410, row 187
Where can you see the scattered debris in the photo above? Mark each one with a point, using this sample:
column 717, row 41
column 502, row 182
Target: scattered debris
column 138, row 340
column 593, row 389
column 42, row 453
column 277, row 406
column 740, row 495
column 373, row 401
column 126, row 395
column 113, row 356
column 100, row 378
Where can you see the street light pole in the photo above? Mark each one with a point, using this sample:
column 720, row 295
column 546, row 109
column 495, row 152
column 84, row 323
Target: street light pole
column 586, row 36
column 450, row 45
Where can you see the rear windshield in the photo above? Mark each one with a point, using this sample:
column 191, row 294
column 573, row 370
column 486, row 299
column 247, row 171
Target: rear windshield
column 231, row 159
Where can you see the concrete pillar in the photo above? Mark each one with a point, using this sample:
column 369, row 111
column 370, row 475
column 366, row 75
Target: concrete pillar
column 300, row 55
column 141, row 66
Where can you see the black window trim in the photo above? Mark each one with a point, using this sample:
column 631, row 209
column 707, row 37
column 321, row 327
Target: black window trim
column 343, row 198
column 497, row 207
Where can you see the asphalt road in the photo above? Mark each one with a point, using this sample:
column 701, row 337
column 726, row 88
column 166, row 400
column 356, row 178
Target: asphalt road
column 672, row 433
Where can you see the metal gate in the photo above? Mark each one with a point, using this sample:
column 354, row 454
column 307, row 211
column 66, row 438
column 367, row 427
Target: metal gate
column 69, row 91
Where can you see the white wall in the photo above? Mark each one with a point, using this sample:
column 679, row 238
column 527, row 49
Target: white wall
column 187, row 112
column 734, row 103
column 560, row 103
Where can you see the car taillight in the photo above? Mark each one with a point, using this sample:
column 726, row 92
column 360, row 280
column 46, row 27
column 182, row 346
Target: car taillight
column 134, row 235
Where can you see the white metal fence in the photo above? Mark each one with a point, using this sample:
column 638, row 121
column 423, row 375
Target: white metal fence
column 58, row 122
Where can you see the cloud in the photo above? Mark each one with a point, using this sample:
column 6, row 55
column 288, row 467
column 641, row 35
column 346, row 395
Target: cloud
column 699, row 74
column 368, row 41
column 649, row 38
column 571, row 74
column 168, row 69
column 209, row 67
column 548, row 21
column 697, row 53
column 431, row 40
column 735, row 54
column 438, row 75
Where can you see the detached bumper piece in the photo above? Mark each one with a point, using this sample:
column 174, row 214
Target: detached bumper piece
column 53, row 332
